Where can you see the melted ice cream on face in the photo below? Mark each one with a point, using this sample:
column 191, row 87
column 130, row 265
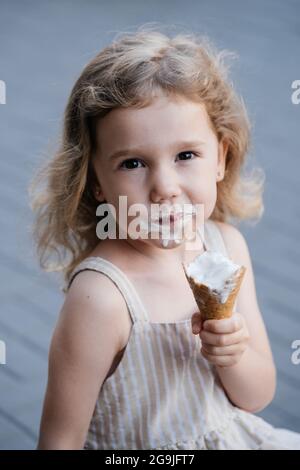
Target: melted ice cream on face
column 177, row 236
column 215, row 271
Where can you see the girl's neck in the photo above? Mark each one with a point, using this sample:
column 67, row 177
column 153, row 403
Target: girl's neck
column 158, row 257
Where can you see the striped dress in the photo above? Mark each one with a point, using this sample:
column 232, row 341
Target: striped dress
column 164, row 394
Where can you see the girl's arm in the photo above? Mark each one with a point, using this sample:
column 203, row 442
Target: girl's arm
column 239, row 346
column 87, row 337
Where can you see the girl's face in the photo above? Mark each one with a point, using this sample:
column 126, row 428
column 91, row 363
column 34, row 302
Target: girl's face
column 165, row 153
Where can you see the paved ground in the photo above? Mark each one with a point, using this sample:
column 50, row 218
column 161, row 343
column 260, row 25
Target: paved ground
column 43, row 46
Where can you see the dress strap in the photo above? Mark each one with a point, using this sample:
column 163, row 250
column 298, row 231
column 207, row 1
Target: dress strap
column 214, row 242
column 213, row 238
column 134, row 304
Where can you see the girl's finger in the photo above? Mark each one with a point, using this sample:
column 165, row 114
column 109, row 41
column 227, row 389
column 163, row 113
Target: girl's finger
column 221, row 361
column 222, row 351
column 226, row 325
column 221, row 340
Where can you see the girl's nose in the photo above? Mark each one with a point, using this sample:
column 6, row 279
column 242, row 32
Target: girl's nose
column 164, row 186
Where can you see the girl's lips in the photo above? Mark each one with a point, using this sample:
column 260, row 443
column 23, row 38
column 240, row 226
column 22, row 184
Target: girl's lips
column 171, row 218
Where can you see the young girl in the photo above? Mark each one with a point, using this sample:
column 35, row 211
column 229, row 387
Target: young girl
column 131, row 363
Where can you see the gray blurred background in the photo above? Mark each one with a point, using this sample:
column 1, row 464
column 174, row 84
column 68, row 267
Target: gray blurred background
column 43, row 48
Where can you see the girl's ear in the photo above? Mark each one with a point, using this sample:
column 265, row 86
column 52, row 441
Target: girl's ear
column 94, row 182
column 92, row 179
column 222, row 153
column 98, row 194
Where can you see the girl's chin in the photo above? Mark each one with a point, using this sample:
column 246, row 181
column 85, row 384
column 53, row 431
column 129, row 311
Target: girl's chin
column 173, row 237
column 167, row 242
column 163, row 242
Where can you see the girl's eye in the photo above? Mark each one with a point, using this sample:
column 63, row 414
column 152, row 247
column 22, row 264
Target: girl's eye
column 130, row 162
column 186, row 153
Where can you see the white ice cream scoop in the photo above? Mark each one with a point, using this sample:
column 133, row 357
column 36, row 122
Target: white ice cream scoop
column 215, row 281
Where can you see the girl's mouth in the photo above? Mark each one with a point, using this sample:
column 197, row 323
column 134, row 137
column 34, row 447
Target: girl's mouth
column 171, row 218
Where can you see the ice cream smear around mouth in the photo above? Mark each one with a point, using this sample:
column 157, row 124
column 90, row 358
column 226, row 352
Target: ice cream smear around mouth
column 169, row 229
column 215, row 271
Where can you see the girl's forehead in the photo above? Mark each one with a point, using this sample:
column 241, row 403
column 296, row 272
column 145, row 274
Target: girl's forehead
column 161, row 115
column 159, row 125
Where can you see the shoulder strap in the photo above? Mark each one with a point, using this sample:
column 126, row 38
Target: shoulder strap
column 214, row 242
column 132, row 299
column 213, row 238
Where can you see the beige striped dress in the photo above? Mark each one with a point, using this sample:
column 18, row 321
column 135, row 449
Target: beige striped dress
column 164, row 394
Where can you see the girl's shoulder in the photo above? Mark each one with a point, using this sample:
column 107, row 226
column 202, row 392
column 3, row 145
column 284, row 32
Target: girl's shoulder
column 94, row 299
column 238, row 251
column 113, row 251
column 235, row 243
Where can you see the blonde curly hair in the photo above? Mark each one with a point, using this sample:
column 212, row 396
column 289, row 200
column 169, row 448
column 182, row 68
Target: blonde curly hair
column 128, row 73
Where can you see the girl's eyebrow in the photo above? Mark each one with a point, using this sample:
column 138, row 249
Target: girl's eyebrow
column 124, row 152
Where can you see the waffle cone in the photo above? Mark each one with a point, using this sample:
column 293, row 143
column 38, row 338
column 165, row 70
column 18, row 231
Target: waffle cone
column 208, row 301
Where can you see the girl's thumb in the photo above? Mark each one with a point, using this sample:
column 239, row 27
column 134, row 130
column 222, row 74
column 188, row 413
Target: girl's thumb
column 196, row 323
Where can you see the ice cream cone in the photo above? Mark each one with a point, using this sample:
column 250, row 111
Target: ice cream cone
column 216, row 303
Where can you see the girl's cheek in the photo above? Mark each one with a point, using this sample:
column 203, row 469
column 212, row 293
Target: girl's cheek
column 207, row 195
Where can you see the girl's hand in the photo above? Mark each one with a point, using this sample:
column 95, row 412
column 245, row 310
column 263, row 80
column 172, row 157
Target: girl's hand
column 223, row 341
